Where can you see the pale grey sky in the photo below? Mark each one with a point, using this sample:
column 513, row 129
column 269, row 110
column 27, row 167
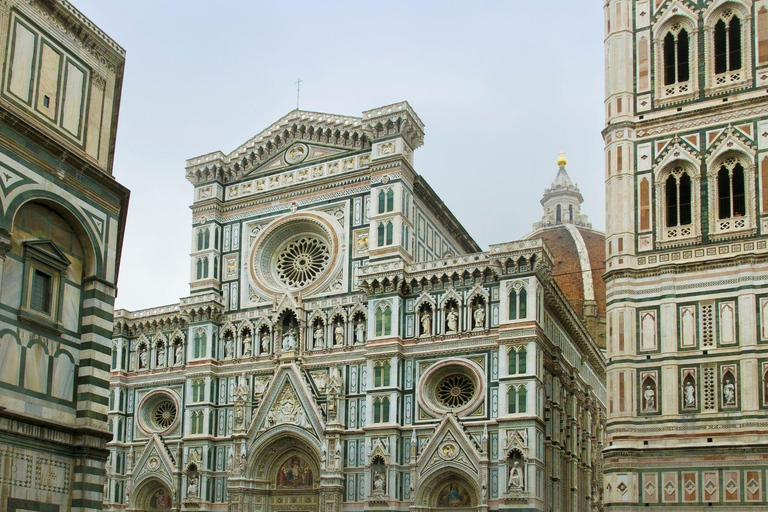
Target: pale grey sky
column 502, row 88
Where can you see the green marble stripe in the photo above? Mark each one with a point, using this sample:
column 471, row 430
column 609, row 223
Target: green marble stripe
column 86, row 504
column 87, row 486
column 97, row 312
column 102, row 348
column 88, row 470
column 99, row 295
column 95, row 329
column 84, row 397
column 734, row 415
column 92, row 414
column 93, row 381
column 95, row 364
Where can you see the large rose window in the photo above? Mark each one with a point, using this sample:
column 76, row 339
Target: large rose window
column 301, row 261
column 297, row 252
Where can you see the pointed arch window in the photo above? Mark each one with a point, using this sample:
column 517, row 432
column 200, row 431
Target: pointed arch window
column 678, row 198
column 731, row 200
column 206, row 238
column 518, row 304
column 383, row 321
column 676, row 56
column 200, row 239
column 390, row 200
column 727, row 43
column 558, row 214
column 389, row 233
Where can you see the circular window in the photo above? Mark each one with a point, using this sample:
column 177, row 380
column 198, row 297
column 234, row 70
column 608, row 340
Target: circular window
column 453, row 385
column 296, row 252
column 164, row 414
column 301, row 261
column 158, row 412
column 455, row 391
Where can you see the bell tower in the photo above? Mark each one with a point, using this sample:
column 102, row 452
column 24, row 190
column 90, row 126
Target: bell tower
column 686, row 144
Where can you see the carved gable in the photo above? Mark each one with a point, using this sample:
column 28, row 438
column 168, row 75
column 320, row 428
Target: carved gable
column 449, row 445
column 288, row 402
column 155, row 462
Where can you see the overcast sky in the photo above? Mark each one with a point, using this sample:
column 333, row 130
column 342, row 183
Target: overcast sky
column 502, row 88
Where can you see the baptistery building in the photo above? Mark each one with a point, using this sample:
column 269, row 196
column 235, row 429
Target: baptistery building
column 346, row 345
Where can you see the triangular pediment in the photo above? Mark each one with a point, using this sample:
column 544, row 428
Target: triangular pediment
column 298, row 154
column 155, row 462
column 287, row 403
column 48, row 249
column 449, row 446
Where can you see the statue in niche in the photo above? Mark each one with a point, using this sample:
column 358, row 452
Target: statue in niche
column 338, row 334
column 649, row 398
column 142, row 357
column 479, row 316
column 452, row 320
column 160, row 355
column 229, row 348
column 360, row 332
column 426, row 323
column 265, row 343
column 192, row 488
column 689, row 395
column 319, row 336
column 516, row 476
column 729, row 393
column 379, row 484
column 289, row 341
column 247, row 346
column 178, row 354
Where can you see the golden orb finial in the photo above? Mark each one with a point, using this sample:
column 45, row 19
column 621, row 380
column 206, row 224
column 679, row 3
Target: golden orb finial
column 561, row 161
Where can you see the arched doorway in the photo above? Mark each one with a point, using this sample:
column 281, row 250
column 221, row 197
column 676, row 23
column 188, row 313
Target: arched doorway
column 448, row 490
column 282, row 474
column 152, row 495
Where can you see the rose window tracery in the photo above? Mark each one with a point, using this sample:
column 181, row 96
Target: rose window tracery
column 455, row 391
column 453, row 385
column 158, row 412
column 301, row 261
column 164, row 414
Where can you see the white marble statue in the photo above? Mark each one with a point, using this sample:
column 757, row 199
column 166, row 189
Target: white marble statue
column 452, row 320
column 479, row 316
column 247, row 346
column 178, row 354
column 160, row 356
column 689, row 395
column 289, row 341
column 516, row 476
column 650, row 398
column 142, row 358
column 229, row 348
column 426, row 323
column 379, row 486
column 192, row 488
column 729, row 393
column 319, row 336
column 265, row 343
column 338, row 334
column 360, row 332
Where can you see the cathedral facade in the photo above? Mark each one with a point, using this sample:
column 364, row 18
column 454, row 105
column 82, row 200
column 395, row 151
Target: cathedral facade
column 687, row 267
column 62, row 216
column 346, row 345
